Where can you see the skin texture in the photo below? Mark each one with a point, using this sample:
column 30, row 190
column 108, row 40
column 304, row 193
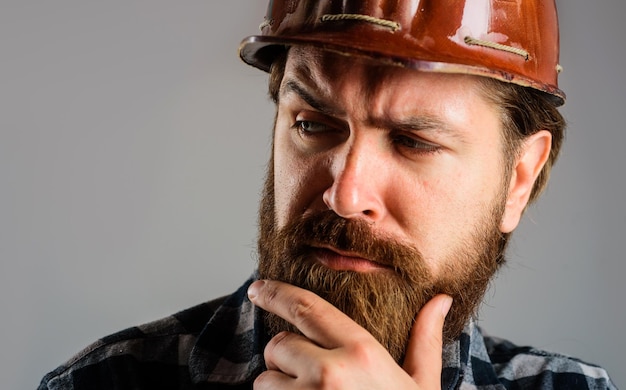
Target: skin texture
column 415, row 156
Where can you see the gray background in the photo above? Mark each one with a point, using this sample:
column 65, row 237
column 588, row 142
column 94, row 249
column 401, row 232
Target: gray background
column 132, row 149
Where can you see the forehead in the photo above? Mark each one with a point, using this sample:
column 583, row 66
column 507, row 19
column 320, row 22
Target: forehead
column 380, row 89
column 326, row 69
column 329, row 68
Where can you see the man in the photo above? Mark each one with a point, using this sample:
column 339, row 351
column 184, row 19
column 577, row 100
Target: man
column 409, row 139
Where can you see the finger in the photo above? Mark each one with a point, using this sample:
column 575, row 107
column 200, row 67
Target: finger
column 423, row 356
column 317, row 319
column 290, row 353
column 272, row 379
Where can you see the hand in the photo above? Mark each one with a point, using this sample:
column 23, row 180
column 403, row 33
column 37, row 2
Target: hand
column 336, row 353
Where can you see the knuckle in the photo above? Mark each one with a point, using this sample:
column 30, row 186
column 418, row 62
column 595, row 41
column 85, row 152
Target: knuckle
column 277, row 341
column 331, row 373
column 264, row 380
column 275, row 344
column 330, row 376
column 365, row 353
column 435, row 343
column 270, row 293
column 301, row 307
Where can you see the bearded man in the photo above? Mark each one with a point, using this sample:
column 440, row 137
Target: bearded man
column 409, row 139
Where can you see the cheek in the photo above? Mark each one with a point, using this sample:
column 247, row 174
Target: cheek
column 298, row 182
column 287, row 192
column 460, row 198
column 445, row 211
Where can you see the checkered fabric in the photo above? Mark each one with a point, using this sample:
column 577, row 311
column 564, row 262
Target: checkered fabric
column 219, row 345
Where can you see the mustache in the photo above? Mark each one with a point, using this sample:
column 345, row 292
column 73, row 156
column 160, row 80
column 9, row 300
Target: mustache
column 327, row 229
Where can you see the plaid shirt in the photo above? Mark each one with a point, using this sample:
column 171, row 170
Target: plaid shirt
column 219, row 345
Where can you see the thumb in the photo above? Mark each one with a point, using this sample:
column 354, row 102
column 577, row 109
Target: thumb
column 423, row 354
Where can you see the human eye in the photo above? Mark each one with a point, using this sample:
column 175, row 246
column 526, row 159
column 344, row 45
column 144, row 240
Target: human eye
column 308, row 128
column 316, row 132
column 415, row 144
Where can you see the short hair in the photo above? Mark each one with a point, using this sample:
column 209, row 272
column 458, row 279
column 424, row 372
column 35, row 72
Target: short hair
column 524, row 111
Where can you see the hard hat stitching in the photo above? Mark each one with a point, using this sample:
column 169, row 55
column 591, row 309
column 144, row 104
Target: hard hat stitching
column 366, row 18
column 266, row 23
column 498, row 46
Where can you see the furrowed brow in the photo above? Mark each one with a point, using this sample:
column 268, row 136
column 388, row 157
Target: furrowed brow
column 411, row 123
column 291, row 86
column 421, row 124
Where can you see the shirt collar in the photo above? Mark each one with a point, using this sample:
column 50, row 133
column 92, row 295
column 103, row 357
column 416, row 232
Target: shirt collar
column 230, row 347
column 466, row 360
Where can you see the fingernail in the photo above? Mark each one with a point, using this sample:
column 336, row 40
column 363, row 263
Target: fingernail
column 446, row 304
column 253, row 290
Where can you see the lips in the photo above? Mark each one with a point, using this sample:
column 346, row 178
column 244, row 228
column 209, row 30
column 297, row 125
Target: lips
column 346, row 261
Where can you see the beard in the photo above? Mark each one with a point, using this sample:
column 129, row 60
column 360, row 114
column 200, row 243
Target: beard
column 385, row 303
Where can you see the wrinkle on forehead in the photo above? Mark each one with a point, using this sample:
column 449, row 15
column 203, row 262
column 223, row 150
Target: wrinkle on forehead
column 379, row 93
column 349, row 82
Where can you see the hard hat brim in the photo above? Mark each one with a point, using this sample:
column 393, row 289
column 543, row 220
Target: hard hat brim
column 260, row 51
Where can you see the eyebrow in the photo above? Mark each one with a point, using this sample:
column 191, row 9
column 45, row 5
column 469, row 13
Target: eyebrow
column 292, row 86
column 421, row 123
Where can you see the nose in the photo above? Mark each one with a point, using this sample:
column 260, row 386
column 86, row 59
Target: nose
column 357, row 190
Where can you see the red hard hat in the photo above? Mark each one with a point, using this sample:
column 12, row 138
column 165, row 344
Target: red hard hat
column 515, row 41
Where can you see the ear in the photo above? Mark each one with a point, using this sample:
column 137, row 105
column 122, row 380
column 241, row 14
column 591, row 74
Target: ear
column 534, row 154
